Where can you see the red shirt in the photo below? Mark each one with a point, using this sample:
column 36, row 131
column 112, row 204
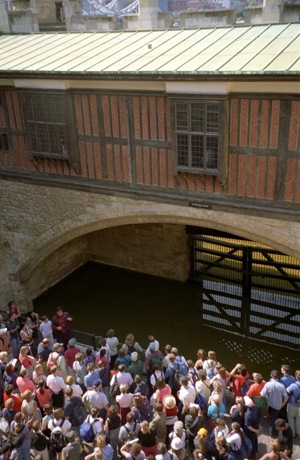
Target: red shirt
column 17, row 401
column 70, row 354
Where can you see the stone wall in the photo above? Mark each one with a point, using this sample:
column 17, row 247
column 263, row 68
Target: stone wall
column 49, row 231
column 158, row 249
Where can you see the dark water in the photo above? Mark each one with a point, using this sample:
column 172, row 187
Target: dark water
column 102, row 297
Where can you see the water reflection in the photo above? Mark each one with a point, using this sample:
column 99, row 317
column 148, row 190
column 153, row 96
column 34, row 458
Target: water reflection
column 101, row 297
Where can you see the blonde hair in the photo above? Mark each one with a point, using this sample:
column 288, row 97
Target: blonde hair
column 23, row 350
column 27, row 395
column 69, row 380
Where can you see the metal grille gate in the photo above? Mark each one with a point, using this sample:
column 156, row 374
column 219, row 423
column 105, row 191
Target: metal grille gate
column 247, row 288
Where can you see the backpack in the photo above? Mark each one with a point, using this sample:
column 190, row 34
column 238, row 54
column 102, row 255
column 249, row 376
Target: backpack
column 246, row 448
column 201, row 401
column 78, row 416
column 57, row 438
column 52, row 361
column 86, row 431
column 131, row 434
column 154, row 360
column 15, row 439
column 39, row 442
column 114, row 388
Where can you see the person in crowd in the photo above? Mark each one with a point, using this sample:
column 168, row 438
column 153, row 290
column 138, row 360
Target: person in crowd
column 122, row 377
column 162, row 390
column 43, row 395
column 186, row 396
column 27, row 361
column 215, row 410
column 70, row 354
column 284, row 437
column 46, row 330
column 77, row 390
column 8, row 412
column 147, row 438
column 201, row 357
column 91, row 376
column 123, row 358
column 80, row 370
column 234, row 441
column 38, row 374
column 277, row 397
column 180, row 360
column 255, row 390
column 56, row 384
column 73, row 449
column 252, row 426
column 13, row 326
column 33, row 322
column 140, row 386
column 43, row 352
column 140, row 408
column 124, row 401
column 56, row 358
column 30, row 408
column 61, row 325
column 137, row 366
column 19, row 426
column 12, row 308
column 113, row 343
column 163, row 454
column 9, row 394
column 132, row 451
column 10, row 376
column 194, row 420
column 237, row 411
column 104, row 374
column 95, row 398
column 171, row 412
column 24, row 382
column 129, row 430
column 130, row 345
column 293, row 409
column 203, row 384
column 112, row 428
column 274, row 453
column 159, row 422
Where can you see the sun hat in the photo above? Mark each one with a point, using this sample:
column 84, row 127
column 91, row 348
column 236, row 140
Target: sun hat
column 169, row 401
column 177, row 444
column 134, row 356
column 202, row 432
column 97, row 383
column 248, row 401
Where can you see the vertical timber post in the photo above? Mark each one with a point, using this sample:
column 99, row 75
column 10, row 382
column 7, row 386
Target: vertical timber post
column 246, row 290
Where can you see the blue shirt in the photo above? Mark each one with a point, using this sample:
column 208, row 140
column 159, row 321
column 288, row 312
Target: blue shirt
column 89, row 379
column 287, row 380
column 294, row 393
column 275, row 393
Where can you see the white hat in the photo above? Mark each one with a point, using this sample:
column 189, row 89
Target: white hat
column 177, row 444
column 134, row 356
column 248, row 401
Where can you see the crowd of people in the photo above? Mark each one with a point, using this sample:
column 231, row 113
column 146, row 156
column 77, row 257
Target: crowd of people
column 62, row 401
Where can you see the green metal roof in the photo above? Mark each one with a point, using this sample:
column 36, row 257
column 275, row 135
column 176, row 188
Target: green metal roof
column 239, row 50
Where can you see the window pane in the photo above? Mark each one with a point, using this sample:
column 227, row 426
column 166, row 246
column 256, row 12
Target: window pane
column 212, row 124
column 197, row 118
column 182, row 117
column 183, row 149
column 197, row 151
column 212, row 152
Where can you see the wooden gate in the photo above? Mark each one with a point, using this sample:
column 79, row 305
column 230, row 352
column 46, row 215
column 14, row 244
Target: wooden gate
column 248, row 288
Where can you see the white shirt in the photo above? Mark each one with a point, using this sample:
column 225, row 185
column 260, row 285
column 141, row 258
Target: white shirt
column 97, row 426
column 122, row 378
column 56, row 384
column 65, row 428
column 112, row 343
column 187, row 395
column 203, row 388
column 95, row 399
